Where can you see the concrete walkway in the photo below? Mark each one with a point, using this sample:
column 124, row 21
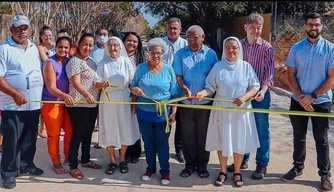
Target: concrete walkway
column 97, row 180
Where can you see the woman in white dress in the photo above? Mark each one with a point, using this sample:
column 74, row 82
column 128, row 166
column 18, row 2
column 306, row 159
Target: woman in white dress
column 118, row 126
column 231, row 133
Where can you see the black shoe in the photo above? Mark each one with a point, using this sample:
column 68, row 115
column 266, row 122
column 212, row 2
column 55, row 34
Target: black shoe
column 326, row 183
column 259, row 172
column 31, row 171
column 244, row 165
column 180, row 157
column 9, row 183
column 291, row 175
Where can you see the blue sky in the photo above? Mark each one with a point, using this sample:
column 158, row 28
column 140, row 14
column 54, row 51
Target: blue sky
column 151, row 20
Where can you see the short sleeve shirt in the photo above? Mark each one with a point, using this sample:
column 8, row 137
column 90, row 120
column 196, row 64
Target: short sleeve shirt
column 87, row 70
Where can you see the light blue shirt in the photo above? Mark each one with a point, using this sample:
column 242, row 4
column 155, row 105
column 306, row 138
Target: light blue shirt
column 194, row 68
column 21, row 68
column 160, row 86
column 312, row 62
column 97, row 54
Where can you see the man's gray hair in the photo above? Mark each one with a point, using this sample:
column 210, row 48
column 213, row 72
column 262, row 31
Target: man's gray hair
column 195, row 28
column 254, row 18
column 173, row 20
column 157, row 42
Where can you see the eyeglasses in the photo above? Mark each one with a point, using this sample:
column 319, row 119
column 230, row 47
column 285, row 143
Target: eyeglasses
column 103, row 34
column 310, row 25
column 114, row 45
column 192, row 40
column 231, row 48
column 154, row 53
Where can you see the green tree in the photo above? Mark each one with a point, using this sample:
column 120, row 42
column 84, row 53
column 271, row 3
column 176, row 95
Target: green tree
column 5, row 8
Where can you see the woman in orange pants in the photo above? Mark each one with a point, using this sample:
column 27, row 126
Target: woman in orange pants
column 55, row 116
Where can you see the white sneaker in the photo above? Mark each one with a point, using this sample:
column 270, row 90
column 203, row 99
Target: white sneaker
column 165, row 180
column 147, row 176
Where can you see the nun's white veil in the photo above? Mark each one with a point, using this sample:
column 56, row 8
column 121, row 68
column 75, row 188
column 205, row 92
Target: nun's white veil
column 240, row 56
column 122, row 48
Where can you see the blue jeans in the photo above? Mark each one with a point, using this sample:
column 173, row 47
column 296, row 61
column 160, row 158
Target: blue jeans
column 155, row 141
column 262, row 125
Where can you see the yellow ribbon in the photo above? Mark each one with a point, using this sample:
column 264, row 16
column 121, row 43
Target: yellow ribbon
column 162, row 107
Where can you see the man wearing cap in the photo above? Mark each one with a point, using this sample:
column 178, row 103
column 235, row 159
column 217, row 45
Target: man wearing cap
column 20, row 81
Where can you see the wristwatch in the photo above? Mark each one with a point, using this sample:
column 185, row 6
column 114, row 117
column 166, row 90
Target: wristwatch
column 314, row 95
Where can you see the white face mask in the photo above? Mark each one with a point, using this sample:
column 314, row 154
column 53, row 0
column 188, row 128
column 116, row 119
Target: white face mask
column 102, row 39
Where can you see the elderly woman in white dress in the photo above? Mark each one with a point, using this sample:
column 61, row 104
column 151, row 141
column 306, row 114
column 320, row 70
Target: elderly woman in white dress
column 231, row 133
column 118, row 126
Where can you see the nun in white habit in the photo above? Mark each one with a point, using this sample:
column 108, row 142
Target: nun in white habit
column 231, row 133
column 118, row 127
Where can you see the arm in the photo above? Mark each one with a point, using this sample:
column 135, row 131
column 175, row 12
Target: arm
column 292, row 72
column 183, row 86
column 18, row 97
column 269, row 71
column 75, row 80
column 42, row 53
column 50, row 83
column 327, row 85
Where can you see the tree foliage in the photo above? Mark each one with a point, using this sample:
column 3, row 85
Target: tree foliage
column 208, row 14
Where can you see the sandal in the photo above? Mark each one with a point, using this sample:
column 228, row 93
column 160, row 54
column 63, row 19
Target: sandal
column 111, row 169
column 59, row 169
column 203, row 173
column 76, row 173
column 239, row 182
column 186, row 172
column 134, row 160
column 92, row 165
column 123, row 167
column 219, row 181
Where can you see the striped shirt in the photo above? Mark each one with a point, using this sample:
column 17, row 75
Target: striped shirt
column 261, row 56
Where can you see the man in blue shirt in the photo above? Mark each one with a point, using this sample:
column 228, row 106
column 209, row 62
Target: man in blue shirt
column 312, row 93
column 21, row 81
column 192, row 64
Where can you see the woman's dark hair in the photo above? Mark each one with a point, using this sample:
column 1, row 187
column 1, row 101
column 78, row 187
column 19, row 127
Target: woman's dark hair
column 41, row 31
column 64, row 38
column 139, row 53
column 83, row 36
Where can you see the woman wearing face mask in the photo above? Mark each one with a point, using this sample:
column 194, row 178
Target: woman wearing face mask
column 101, row 40
column 46, row 49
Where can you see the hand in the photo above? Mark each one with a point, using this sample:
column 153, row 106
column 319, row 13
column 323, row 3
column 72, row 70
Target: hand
column 309, row 108
column 68, row 100
column 306, row 100
column 259, row 96
column 90, row 99
column 137, row 91
column 106, row 84
column 199, row 96
column 187, row 93
column 102, row 84
column 19, row 99
column 240, row 100
column 133, row 109
column 171, row 118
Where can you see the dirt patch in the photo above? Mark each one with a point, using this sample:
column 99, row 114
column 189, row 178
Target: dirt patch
column 282, row 45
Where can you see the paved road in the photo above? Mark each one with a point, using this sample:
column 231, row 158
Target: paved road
column 96, row 180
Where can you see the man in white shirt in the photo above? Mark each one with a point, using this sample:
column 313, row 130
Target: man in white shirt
column 21, row 81
column 174, row 43
column 102, row 37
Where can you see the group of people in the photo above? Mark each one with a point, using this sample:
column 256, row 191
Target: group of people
column 106, row 68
